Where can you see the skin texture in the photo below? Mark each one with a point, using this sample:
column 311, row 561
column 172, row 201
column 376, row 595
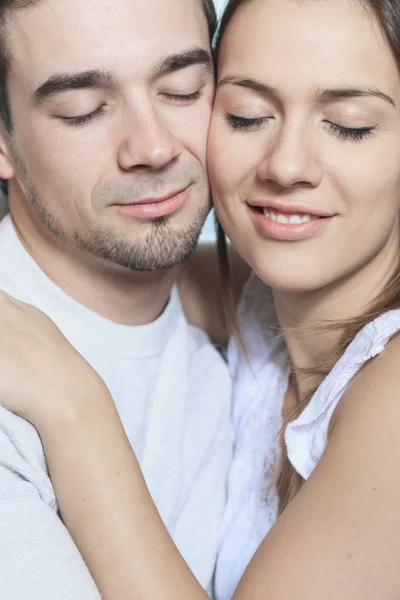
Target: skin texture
column 148, row 140
column 337, row 539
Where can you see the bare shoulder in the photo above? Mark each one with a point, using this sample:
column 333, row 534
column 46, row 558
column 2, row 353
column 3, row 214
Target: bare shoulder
column 375, row 390
column 201, row 289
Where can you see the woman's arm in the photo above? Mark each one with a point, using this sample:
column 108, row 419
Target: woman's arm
column 107, row 508
column 102, row 496
column 337, row 539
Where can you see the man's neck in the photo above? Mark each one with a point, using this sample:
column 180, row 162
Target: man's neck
column 116, row 293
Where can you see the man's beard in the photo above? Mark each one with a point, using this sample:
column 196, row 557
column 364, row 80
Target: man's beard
column 162, row 248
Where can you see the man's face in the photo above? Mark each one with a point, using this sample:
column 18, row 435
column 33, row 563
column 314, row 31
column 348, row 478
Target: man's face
column 110, row 103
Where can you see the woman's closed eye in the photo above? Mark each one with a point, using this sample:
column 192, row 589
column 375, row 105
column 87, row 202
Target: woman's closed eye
column 347, row 133
column 350, row 133
column 237, row 122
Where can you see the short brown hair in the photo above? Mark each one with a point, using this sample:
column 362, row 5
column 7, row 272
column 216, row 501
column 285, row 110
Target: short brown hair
column 7, row 6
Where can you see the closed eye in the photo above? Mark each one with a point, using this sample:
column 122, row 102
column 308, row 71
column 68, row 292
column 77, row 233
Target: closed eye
column 80, row 120
column 184, row 97
column 244, row 123
column 350, row 133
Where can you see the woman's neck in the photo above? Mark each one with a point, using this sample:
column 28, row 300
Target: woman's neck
column 310, row 319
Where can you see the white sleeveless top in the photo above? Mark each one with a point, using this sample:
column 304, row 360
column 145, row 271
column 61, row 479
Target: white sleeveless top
column 260, row 383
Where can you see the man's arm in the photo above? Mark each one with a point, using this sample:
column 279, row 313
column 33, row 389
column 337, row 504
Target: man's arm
column 201, row 289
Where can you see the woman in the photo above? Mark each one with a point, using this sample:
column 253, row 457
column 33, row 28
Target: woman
column 305, row 169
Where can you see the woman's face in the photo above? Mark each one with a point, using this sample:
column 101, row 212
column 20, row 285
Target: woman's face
column 304, row 150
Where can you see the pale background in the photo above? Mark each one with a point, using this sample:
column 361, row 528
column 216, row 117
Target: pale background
column 220, row 4
column 208, row 232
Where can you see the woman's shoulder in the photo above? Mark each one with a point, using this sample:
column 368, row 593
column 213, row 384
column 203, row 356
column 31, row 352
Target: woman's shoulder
column 378, row 382
column 375, row 346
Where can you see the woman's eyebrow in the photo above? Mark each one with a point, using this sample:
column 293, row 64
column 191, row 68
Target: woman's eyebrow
column 321, row 94
column 249, row 83
column 353, row 92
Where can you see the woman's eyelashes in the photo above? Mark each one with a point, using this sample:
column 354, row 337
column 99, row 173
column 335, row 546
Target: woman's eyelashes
column 255, row 123
column 176, row 98
column 245, row 123
column 350, row 133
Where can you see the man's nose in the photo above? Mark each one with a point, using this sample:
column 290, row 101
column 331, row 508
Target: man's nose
column 146, row 141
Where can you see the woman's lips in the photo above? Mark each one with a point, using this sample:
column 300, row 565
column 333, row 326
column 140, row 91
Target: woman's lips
column 154, row 208
column 287, row 226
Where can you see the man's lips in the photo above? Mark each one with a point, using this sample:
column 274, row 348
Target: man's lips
column 153, row 200
column 153, row 208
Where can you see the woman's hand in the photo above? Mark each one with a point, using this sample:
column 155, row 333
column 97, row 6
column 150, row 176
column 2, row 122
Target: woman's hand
column 41, row 374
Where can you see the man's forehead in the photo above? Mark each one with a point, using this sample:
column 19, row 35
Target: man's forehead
column 113, row 35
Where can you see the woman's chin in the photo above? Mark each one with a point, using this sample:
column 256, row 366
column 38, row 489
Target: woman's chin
column 294, row 281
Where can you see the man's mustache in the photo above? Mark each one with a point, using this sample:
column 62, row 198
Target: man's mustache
column 142, row 186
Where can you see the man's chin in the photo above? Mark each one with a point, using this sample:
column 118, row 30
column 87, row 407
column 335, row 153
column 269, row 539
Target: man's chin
column 162, row 245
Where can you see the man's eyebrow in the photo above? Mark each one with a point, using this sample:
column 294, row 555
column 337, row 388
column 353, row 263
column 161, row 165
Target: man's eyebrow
column 246, row 82
column 64, row 82
column 353, row 92
column 189, row 58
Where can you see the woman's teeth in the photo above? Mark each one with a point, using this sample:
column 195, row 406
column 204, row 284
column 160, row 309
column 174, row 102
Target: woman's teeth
column 288, row 219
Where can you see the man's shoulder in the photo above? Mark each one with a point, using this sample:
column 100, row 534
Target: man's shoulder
column 22, row 454
column 10, row 275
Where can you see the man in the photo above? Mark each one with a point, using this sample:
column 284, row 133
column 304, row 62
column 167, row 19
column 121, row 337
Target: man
column 105, row 108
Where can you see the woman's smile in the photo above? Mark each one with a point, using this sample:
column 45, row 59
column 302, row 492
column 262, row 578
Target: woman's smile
column 287, row 225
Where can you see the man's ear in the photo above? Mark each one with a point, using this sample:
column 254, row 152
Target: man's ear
column 7, row 170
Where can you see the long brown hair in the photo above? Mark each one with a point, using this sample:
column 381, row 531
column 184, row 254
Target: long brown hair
column 288, row 480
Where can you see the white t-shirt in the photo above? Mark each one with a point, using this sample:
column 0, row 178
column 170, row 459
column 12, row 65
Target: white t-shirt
column 172, row 390
column 260, row 382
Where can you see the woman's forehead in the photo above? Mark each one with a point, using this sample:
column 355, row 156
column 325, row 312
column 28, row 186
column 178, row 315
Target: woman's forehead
column 320, row 42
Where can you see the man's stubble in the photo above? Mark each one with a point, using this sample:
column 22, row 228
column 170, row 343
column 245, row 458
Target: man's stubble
column 163, row 247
